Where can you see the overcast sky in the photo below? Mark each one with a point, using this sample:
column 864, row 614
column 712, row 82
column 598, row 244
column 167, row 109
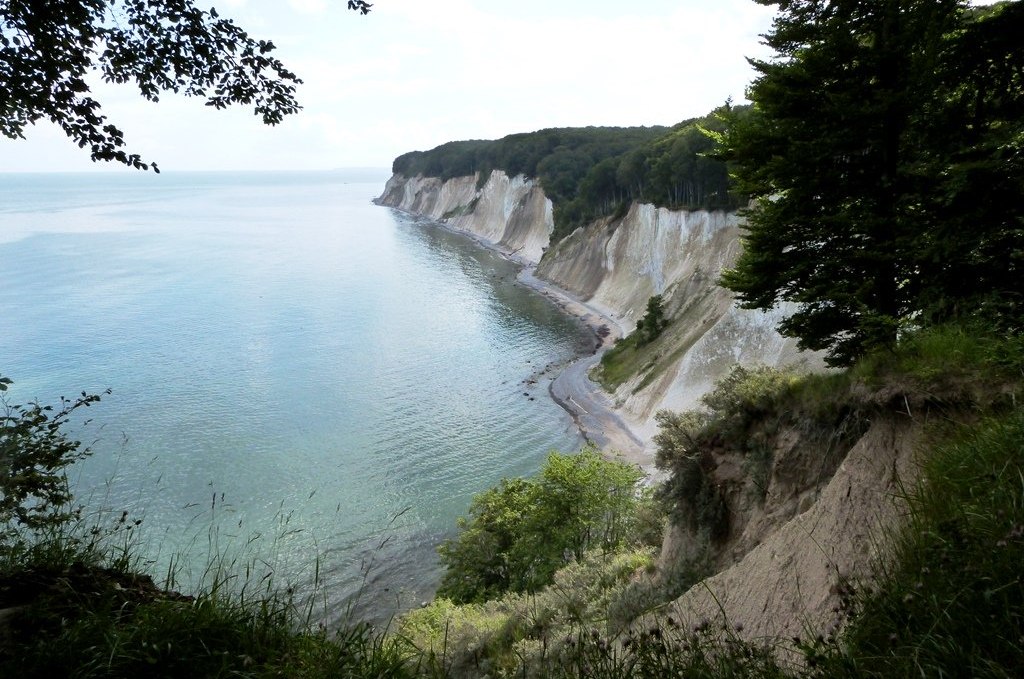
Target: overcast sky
column 417, row 73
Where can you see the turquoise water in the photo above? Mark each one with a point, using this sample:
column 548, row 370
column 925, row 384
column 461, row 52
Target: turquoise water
column 288, row 362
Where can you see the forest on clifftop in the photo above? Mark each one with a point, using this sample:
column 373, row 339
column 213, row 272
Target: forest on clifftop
column 589, row 172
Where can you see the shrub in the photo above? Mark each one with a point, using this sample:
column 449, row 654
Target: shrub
column 34, row 454
column 523, row 530
column 747, row 393
column 496, row 637
column 684, row 441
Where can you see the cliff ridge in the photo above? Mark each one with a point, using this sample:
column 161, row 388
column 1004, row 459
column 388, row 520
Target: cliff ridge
column 610, row 268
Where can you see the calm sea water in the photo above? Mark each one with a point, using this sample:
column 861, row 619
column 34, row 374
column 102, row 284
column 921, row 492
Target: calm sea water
column 301, row 380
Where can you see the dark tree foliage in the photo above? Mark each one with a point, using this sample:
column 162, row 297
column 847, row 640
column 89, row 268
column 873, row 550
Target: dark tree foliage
column 595, row 171
column 47, row 49
column 971, row 249
column 34, row 454
column 676, row 170
column 559, row 156
column 653, row 322
column 878, row 132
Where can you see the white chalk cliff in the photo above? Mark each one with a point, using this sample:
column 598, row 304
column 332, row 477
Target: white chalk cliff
column 819, row 517
column 510, row 214
column 615, row 266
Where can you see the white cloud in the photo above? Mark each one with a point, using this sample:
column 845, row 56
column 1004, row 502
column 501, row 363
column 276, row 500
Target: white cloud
column 309, row 6
column 414, row 74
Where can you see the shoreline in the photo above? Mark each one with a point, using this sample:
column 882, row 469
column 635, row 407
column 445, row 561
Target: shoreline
column 590, row 407
column 599, row 421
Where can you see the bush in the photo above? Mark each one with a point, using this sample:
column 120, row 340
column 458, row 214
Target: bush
column 523, row 530
column 745, row 394
column 34, row 453
column 503, row 636
column 684, row 442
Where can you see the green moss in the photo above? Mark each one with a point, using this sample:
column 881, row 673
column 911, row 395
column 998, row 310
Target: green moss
column 461, row 210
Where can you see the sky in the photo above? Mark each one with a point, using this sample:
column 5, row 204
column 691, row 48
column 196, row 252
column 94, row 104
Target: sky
column 414, row 74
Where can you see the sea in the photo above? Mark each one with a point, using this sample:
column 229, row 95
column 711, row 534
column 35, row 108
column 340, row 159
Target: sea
column 306, row 389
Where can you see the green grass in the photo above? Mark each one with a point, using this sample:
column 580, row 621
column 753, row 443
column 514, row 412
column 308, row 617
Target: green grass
column 660, row 651
column 629, row 358
column 106, row 633
column 952, row 604
column 950, row 364
column 620, row 363
column 82, row 608
column 516, row 632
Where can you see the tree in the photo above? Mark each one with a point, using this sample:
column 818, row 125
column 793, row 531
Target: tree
column 829, row 155
column 47, row 49
column 523, row 530
column 971, row 250
column 34, row 453
column 653, row 322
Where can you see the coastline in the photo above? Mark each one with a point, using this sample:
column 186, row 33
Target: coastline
column 589, row 406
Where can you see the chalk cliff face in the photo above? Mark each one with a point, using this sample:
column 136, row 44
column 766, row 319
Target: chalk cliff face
column 823, row 503
column 619, row 264
column 616, row 265
column 510, row 214
column 818, row 522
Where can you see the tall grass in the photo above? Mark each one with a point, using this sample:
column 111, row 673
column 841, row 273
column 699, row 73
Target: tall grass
column 952, row 601
column 948, row 364
column 79, row 604
column 948, row 603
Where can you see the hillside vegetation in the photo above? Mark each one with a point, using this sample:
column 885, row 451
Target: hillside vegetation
column 594, row 171
column 601, row 617
column 75, row 604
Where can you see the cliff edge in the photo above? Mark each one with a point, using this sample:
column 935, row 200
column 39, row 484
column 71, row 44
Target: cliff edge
column 510, row 214
column 606, row 272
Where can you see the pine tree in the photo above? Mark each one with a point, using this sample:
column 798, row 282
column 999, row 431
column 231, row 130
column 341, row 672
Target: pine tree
column 827, row 155
column 971, row 248
column 653, row 322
